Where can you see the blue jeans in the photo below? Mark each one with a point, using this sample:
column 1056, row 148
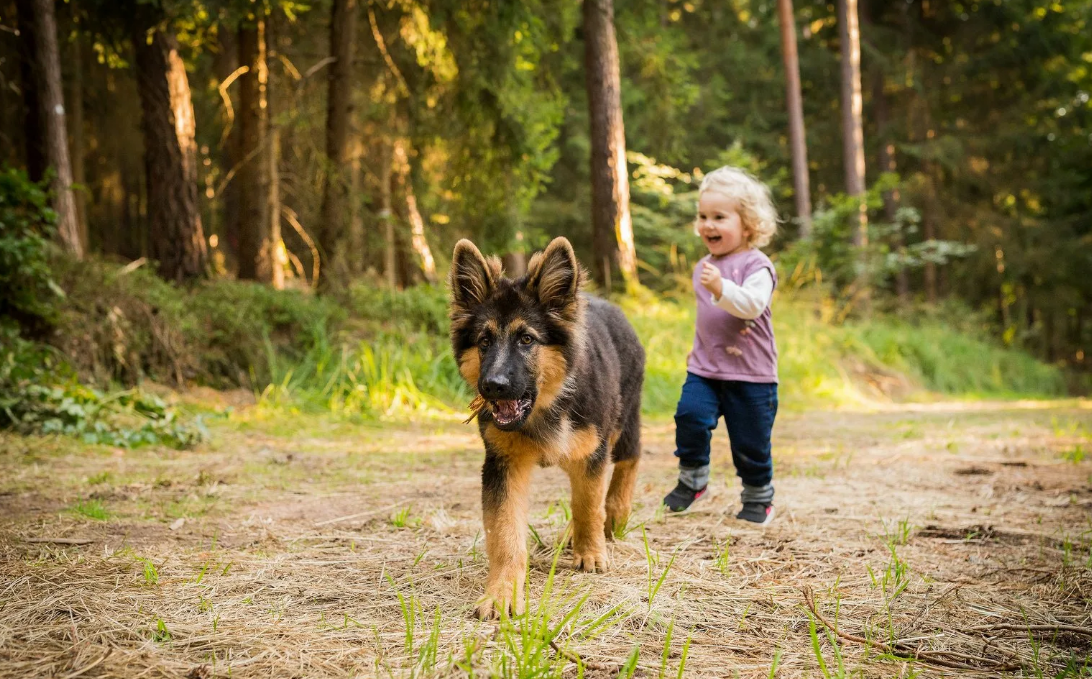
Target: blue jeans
column 748, row 408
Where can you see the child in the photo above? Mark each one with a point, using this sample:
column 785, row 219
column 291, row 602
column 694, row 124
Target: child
column 732, row 370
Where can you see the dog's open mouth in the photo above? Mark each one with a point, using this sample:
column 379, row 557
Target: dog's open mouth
column 510, row 411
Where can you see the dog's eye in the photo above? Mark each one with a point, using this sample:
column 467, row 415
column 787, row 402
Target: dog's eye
column 485, row 343
column 525, row 340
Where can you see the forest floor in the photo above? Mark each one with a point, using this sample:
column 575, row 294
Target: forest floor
column 305, row 546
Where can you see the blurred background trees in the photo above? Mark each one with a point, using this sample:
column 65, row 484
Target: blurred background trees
column 311, row 144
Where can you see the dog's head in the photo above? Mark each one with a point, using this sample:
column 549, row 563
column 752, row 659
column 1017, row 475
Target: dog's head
column 515, row 340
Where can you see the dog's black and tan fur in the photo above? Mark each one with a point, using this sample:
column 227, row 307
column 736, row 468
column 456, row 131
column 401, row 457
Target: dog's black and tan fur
column 561, row 376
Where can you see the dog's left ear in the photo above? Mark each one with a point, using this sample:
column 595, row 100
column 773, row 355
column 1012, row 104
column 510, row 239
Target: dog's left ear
column 554, row 275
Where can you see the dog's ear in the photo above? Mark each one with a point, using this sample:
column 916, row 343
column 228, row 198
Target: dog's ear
column 472, row 276
column 554, row 276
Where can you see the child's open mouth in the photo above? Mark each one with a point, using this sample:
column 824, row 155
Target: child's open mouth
column 713, row 239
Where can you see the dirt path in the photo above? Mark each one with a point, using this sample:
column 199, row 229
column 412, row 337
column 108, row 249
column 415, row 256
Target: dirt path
column 281, row 549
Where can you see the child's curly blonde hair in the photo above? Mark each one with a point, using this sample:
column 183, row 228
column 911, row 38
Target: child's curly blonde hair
column 756, row 208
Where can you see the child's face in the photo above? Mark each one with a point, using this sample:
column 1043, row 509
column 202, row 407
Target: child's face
column 719, row 224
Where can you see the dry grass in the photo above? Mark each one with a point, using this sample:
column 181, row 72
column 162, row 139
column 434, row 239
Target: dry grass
column 294, row 547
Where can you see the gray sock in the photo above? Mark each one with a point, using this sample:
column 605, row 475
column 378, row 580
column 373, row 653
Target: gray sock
column 760, row 494
column 694, row 478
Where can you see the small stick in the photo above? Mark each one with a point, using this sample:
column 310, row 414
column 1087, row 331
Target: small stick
column 574, row 658
column 61, row 541
column 1032, row 628
column 476, row 406
column 355, row 516
column 924, row 656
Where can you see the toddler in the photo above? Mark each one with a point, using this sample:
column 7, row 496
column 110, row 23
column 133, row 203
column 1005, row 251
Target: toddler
column 732, row 370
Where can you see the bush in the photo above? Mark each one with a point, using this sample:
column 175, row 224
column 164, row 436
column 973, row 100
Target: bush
column 41, row 395
column 28, row 295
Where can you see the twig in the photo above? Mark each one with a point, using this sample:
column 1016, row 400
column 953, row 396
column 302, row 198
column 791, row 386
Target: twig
column 227, row 100
column 61, row 541
column 1032, row 628
column 476, row 406
column 923, row 656
column 574, row 658
column 293, row 219
column 356, row 516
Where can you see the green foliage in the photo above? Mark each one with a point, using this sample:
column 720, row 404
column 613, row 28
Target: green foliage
column 39, row 395
column 28, row 295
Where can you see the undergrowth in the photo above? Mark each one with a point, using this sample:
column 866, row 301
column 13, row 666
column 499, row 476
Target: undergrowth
column 39, row 395
column 373, row 353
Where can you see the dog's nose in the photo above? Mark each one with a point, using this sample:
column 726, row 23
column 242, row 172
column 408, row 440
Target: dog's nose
column 496, row 386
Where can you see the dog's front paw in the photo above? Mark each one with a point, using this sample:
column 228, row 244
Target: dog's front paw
column 591, row 559
column 498, row 602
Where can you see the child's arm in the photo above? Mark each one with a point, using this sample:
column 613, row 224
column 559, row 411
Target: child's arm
column 749, row 300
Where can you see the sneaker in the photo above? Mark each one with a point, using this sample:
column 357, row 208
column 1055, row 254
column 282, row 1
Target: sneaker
column 756, row 512
column 682, row 497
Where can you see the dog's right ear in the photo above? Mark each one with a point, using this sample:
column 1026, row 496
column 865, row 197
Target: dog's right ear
column 472, row 276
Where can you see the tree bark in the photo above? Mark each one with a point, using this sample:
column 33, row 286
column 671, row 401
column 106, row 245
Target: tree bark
column 333, row 225
column 278, row 254
column 224, row 65
column 355, row 243
column 46, row 79
column 177, row 240
column 253, row 201
column 417, row 224
column 887, row 163
column 34, row 142
column 386, row 217
column 852, row 132
column 797, row 137
column 76, row 143
column 612, row 227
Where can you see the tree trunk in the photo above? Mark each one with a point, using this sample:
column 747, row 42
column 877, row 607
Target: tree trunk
column 797, row 138
column 417, row 224
column 278, row 255
column 46, row 79
column 224, row 65
column 253, row 200
column 333, row 225
column 612, row 227
column 75, row 105
column 386, row 217
column 852, row 132
column 355, row 256
column 887, row 163
column 170, row 152
column 32, row 125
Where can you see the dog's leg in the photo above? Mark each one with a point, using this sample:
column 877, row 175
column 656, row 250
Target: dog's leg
column 505, row 489
column 589, row 478
column 620, row 496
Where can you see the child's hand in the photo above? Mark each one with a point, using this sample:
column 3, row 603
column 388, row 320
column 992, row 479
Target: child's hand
column 710, row 279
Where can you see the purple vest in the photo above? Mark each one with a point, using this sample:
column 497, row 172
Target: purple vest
column 720, row 352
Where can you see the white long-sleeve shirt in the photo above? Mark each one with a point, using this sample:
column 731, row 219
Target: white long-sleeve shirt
column 746, row 301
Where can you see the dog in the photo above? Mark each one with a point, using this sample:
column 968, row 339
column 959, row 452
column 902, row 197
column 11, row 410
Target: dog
column 558, row 375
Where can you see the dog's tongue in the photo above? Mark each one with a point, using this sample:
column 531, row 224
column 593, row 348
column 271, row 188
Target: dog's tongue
column 506, row 411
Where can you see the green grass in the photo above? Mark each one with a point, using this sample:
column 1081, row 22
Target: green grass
column 91, row 509
column 822, row 363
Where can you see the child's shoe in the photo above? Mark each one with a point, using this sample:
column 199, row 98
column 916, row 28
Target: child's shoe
column 756, row 512
column 682, row 497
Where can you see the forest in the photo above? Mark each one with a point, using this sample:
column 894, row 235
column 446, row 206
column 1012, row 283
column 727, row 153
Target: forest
column 310, row 145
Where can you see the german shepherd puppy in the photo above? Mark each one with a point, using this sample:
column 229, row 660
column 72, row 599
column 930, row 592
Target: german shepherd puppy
column 560, row 375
